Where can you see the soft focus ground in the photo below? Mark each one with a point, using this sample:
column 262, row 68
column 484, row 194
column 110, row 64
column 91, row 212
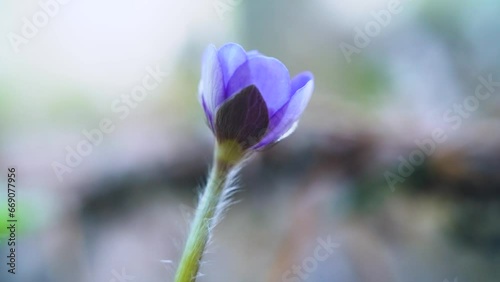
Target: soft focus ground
column 123, row 212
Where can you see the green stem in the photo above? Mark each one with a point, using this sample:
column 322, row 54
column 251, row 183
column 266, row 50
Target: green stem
column 203, row 221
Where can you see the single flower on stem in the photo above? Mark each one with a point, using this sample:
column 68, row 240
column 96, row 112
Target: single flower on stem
column 250, row 103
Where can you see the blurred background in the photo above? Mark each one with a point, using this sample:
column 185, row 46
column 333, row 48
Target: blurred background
column 395, row 162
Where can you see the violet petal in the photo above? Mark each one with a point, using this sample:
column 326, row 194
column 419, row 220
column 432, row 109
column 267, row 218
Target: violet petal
column 269, row 75
column 212, row 81
column 231, row 56
column 283, row 122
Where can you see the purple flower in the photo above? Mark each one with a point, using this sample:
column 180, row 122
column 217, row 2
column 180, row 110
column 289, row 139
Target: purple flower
column 250, row 98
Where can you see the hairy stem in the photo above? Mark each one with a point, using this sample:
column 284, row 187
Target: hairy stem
column 205, row 218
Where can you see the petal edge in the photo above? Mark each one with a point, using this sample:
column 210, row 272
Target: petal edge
column 284, row 121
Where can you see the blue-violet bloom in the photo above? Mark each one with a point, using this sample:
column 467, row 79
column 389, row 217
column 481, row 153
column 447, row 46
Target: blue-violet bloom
column 249, row 98
column 250, row 103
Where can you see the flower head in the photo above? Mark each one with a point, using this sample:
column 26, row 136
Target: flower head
column 249, row 98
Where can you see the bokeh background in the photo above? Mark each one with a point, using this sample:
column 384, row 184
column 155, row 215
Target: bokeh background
column 122, row 212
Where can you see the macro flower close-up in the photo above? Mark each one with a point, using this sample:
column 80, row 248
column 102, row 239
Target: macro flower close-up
column 250, row 103
column 250, row 97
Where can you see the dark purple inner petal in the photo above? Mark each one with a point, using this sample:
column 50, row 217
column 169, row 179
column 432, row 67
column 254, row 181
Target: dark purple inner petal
column 243, row 118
